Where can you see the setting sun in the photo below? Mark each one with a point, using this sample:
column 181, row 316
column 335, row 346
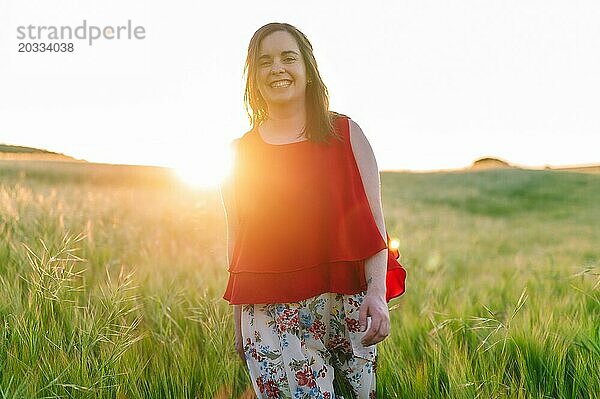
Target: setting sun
column 206, row 169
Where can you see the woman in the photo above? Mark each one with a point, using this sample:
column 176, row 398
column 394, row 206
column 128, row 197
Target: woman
column 310, row 270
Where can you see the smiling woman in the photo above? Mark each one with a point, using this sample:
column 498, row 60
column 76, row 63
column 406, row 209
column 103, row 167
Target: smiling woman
column 307, row 249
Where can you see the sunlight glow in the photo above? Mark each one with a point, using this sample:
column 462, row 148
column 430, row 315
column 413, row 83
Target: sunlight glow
column 394, row 245
column 204, row 170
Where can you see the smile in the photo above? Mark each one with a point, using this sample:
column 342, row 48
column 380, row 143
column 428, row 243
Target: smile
column 281, row 83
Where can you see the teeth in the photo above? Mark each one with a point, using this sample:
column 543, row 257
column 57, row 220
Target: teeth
column 281, row 83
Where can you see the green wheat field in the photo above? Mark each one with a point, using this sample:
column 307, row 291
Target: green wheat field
column 111, row 280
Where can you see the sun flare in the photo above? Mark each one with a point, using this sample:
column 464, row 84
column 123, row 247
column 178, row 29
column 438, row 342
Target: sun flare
column 204, row 170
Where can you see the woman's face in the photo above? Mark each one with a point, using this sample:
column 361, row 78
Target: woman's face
column 281, row 73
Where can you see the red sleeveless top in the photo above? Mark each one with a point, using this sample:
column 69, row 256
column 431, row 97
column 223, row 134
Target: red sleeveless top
column 305, row 224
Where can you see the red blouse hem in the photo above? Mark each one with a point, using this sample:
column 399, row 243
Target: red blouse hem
column 336, row 277
column 346, row 277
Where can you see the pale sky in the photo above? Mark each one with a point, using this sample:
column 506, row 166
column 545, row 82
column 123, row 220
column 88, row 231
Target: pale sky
column 433, row 83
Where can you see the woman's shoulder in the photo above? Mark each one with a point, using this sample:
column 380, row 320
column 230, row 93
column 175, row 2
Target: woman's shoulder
column 344, row 121
column 337, row 117
column 233, row 144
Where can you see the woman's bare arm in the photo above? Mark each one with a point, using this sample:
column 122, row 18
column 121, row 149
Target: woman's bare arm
column 374, row 303
column 231, row 216
column 375, row 266
column 229, row 204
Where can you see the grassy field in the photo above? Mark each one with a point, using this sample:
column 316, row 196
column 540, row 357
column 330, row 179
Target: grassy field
column 111, row 280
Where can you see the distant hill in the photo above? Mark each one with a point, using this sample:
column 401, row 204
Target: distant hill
column 496, row 163
column 17, row 152
column 490, row 163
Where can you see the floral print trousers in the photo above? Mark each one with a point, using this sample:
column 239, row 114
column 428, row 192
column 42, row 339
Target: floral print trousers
column 291, row 349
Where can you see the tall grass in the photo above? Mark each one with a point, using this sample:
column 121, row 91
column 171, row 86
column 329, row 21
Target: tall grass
column 111, row 282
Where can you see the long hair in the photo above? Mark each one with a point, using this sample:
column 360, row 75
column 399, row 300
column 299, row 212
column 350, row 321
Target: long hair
column 319, row 119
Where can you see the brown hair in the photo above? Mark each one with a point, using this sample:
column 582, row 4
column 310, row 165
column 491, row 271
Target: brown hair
column 319, row 119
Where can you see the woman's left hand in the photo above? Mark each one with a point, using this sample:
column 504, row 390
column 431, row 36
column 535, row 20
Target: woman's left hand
column 375, row 306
